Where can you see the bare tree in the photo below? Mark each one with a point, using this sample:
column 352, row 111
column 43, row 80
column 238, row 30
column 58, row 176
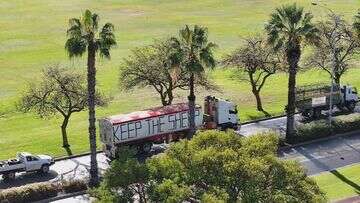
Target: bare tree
column 337, row 47
column 153, row 66
column 60, row 91
column 255, row 62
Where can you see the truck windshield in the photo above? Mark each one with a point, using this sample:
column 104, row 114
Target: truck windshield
column 235, row 111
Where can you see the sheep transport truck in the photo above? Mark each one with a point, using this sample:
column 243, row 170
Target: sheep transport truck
column 312, row 99
column 142, row 129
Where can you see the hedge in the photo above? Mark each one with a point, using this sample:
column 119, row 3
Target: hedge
column 321, row 128
column 40, row 191
column 73, row 186
column 29, row 193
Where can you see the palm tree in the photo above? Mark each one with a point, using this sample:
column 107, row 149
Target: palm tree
column 84, row 35
column 287, row 29
column 197, row 54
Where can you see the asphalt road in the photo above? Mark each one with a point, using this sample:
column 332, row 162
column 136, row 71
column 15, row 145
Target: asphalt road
column 316, row 157
column 326, row 155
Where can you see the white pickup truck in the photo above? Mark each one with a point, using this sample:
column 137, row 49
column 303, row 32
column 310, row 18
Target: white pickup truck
column 25, row 162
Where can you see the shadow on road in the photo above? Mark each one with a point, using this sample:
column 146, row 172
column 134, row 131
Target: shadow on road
column 346, row 180
column 313, row 160
column 27, row 178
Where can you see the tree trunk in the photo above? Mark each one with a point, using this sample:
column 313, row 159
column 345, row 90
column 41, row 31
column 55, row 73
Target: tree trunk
column 293, row 56
column 258, row 100
column 91, row 79
column 191, row 99
column 337, row 79
column 64, row 133
column 170, row 96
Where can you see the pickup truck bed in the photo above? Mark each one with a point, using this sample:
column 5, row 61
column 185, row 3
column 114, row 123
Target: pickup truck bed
column 13, row 165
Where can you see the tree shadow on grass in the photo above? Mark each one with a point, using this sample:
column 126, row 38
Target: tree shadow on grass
column 346, row 180
column 68, row 151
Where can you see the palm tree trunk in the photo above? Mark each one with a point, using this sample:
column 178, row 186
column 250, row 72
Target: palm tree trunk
column 293, row 56
column 91, row 79
column 191, row 99
column 64, row 133
column 290, row 125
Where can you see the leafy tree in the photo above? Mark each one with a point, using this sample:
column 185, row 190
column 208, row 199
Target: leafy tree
column 336, row 48
column 258, row 62
column 213, row 167
column 288, row 28
column 154, row 66
column 230, row 168
column 356, row 24
column 60, row 91
column 84, row 35
column 197, row 55
column 125, row 180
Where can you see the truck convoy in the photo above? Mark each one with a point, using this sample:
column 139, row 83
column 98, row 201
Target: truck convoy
column 141, row 129
column 312, row 99
column 25, row 162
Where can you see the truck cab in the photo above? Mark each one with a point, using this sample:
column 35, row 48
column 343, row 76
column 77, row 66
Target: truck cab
column 35, row 162
column 350, row 96
column 222, row 113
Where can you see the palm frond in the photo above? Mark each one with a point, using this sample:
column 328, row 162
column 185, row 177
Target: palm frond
column 95, row 21
column 288, row 25
column 75, row 46
column 107, row 40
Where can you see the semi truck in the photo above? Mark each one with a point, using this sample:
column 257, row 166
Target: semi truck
column 142, row 129
column 25, row 162
column 311, row 100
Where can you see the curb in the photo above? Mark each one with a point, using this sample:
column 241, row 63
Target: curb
column 319, row 140
column 64, row 196
column 75, row 156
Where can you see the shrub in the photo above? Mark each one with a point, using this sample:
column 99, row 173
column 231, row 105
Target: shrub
column 73, row 186
column 29, row 193
column 321, row 128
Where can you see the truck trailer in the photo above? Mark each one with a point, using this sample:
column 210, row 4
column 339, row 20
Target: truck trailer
column 141, row 129
column 312, row 99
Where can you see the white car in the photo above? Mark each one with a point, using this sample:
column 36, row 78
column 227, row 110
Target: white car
column 25, row 162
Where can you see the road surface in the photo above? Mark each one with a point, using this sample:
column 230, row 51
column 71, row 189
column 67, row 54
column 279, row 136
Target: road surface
column 326, row 155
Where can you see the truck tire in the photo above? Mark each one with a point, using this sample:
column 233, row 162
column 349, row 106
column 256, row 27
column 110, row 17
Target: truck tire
column 316, row 113
column 306, row 114
column 351, row 106
column 145, row 148
column 45, row 169
column 9, row 176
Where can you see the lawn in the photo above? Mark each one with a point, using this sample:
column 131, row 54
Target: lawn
column 341, row 183
column 34, row 33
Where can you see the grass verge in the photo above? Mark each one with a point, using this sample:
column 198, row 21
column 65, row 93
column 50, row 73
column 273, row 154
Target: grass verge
column 341, row 183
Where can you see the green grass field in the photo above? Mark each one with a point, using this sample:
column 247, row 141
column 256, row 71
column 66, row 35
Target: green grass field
column 33, row 36
column 341, row 183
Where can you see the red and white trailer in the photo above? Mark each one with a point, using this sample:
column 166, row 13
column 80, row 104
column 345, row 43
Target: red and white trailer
column 162, row 124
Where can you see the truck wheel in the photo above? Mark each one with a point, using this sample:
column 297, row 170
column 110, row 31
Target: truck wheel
column 317, row 113
column 9, row 176
column 146, row 148
column 351, row 106
column 44, row 169
column 306, row 114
